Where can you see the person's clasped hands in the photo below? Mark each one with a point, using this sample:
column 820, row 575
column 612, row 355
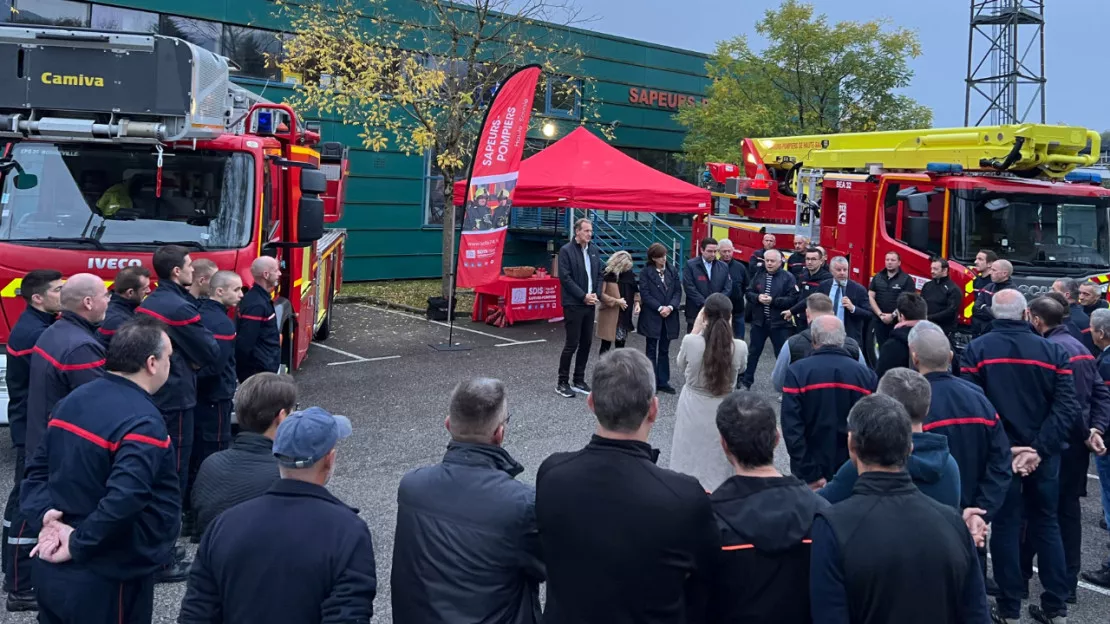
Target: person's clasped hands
column 53, row 544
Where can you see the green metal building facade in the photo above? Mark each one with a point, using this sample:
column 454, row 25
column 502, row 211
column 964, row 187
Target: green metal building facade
column 393, row 203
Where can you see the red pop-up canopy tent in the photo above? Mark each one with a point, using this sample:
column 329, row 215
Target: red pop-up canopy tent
column 582, row 171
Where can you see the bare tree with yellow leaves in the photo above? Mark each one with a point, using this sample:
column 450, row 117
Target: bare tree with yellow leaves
column 418, row 77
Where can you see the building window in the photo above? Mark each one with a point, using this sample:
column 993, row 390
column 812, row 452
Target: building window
column 434, row 204
column 255, row 51
column 123, row 20
column 563, row 97
column 51, row 13
column 202, row 33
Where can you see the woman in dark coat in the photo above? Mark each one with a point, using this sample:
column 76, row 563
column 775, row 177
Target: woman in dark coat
column 618, row 301
column 660, row 295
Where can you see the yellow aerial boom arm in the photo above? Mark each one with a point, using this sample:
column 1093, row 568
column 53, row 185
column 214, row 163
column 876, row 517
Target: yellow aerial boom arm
column 1029, row 149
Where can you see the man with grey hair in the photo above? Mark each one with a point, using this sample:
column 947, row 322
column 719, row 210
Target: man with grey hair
column 466, row 548
column 962, row 413
column 739, row 273
column 607, row 511
column 770, row 294
column 982, row 314
column 796, row 263
column 1076, row 320
column 1091, row 298
column 580, row 278
column 1030, row 381
column 818, row 393
column 850, row 298
column 930, row 465
column 1100, row 334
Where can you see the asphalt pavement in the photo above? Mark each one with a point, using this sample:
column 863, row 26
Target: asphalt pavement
column 380, row 369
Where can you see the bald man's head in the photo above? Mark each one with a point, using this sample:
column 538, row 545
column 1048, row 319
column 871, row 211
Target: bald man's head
column 1009, row 304
column 85, row 295
column 929, row 348
column 266, row 271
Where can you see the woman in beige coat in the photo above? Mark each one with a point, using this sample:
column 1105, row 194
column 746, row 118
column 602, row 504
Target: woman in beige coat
column 617, row 301
column 710, row 358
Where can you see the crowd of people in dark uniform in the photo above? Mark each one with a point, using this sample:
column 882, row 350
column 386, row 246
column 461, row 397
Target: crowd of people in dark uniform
column 987, row 451
column 120, row 411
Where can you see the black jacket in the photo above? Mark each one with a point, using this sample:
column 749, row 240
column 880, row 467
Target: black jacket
column 889, row 549
column 807, row 284
column 796, row 264
column 1028, row 380
column 107, row 464
column 698, row 284
column 258, row 339
column 244, row 471
column 66, row 356
column 887, row 289
column 853, row 321
column 756, row 264
column 981, row 315
column 976, row 439
column 120, row 311
column 466, row 547
column 313, row 552
column 1079, row 325
column 217, row 381
column 783, row 294
column 194, row 347
column 800, row 345
column 895, row 352
column 572, row 273
column 1091, row 392
column 624, row 540
column 942, row 299
column 817, row 395
column 656, row 293
column 17, row 375
column 739, row 273
column 762, row 573
column 1102, row 304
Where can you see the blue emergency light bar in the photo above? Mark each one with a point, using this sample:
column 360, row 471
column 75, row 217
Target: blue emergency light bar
column 944, row 168
column 265, row 122
column 1088, row 177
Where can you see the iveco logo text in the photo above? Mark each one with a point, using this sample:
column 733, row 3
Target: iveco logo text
column 1033, row 291
column 113, row 263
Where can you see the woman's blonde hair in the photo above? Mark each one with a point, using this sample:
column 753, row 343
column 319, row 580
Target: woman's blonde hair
column 619, row 262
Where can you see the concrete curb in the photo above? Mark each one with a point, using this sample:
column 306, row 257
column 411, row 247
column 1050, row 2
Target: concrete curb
column 343, row 299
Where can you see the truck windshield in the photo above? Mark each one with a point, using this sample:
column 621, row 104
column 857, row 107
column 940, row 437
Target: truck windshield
column 109, row 196
column 1063, row 233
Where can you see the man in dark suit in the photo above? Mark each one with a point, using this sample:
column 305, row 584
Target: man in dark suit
column 580, row 278
column 849, row 299
column 702, row 277
column 739, row 272
column 605, row 514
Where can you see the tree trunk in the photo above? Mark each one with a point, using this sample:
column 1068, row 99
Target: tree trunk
column 448, row 243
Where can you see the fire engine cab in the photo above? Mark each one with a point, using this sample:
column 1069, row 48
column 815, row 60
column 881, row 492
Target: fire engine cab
column 922, row 193
column 114, row 144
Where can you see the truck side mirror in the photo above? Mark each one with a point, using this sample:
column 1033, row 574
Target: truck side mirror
column 25, row 181
column 918, row 204
column 310, row 218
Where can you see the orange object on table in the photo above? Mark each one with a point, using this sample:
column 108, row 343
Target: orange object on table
column 531, row 299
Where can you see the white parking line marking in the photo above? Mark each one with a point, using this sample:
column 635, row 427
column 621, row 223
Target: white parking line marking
column 442, row 324
column 1083, row 584
column 1091, row 476
column 522, row 342
column 361, row 360
column 339, row 351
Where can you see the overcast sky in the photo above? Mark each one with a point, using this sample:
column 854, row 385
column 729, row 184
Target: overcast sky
column 1078, row 85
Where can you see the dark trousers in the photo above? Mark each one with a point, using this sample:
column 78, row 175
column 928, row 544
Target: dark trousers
column 608, row 344
column 211, row 434
column 1035, row 498
column 1073, row 486
column 18, row 538
column 71, row 594
column 579, row 322
column 738, row 326
column 882, row 331
column 760, row 334
column 659, row 352
column 180, row 425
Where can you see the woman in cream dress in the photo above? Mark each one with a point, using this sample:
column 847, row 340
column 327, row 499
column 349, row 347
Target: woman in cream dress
column 710, row 359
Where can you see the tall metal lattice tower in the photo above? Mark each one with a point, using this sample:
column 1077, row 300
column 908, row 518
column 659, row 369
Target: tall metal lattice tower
column 1005, row 63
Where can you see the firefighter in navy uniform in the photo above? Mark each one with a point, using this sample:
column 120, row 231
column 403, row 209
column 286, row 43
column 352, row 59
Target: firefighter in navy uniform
column 981, row 316
column 809, row 282
column 41, row 290
column 194, row 348
column 130, row 287
column 258, row 345
column 104, row 490
column 216, row 383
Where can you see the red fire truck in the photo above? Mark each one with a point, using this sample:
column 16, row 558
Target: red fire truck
column 114, row 144
column 938, row 192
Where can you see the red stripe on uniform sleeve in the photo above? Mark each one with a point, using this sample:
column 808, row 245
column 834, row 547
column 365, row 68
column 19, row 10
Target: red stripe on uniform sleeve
column 263, row 319
column 67, row 367
column 107, row 332
column 82, row 433
column 1080, row 358
column 224, row 336
column 1015, row 361
column 18, row 353
column 137, row 437
column 969, row 420
column 168, row 321
column 826, row 386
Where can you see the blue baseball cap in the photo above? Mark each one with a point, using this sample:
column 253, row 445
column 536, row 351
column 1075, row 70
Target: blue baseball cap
column 306, row 436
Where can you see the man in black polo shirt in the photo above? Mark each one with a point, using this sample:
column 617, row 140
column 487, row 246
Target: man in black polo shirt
column 885, row 289
column 859, row 567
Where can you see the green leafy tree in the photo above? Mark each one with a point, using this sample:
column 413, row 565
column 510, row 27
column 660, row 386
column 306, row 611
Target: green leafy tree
column 813, row 77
